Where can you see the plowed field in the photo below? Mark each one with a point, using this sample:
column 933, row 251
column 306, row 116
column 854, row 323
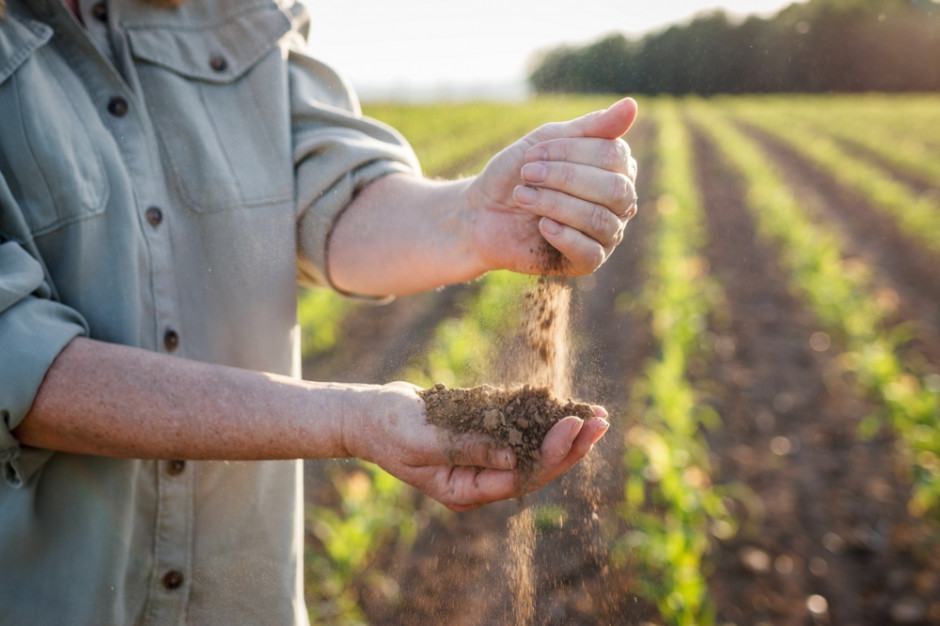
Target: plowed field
column 826, row 528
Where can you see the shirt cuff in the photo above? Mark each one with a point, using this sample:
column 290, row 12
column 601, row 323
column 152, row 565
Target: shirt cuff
column 316, row 230
column 33, row 331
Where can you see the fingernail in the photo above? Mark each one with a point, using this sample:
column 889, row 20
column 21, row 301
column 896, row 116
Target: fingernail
column 525, row 195
column 533, row 172
column 600, row 433
column 538, row 153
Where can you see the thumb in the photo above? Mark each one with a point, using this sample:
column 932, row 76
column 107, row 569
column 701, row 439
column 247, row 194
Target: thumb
column 609, row 123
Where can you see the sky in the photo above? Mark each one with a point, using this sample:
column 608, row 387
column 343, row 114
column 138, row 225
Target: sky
column 409, row 49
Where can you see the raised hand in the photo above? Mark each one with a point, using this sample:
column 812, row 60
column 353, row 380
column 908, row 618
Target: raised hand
column 571, row 183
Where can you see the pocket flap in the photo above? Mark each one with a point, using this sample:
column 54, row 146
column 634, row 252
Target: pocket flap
column 217, row 53
column 18, row 40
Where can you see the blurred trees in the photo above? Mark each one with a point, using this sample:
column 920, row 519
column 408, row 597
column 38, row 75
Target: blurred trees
column 816, row 46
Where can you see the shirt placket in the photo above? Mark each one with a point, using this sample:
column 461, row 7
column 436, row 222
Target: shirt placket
column 126, row 118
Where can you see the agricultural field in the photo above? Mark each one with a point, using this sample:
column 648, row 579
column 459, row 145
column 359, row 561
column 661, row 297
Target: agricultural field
column 766, row 340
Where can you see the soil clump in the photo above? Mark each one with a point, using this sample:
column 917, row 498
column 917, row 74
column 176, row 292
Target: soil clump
column 517, row 417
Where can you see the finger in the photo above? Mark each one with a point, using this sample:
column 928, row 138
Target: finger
column 597, row 222
column 462, row 488
column 479, row 451
column 610, row 123
column 612, row 155
column 613, row 190
column 584, row 255
column 558, row 441
column 556, row 459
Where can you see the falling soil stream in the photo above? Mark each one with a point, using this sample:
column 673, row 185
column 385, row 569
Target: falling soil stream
column 545, row 326
column 519, row 417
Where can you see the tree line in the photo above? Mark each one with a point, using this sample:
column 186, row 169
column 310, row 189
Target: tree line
column 816, row 46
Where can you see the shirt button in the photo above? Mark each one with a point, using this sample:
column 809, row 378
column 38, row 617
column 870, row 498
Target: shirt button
column 171, row 339
column 100, row 12
column 218, row 63
column 173, row 579
column 175, row 468
column 154, row 216
column 117, row 107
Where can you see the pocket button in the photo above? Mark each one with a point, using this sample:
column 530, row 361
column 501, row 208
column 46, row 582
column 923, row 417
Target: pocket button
column 218, row 63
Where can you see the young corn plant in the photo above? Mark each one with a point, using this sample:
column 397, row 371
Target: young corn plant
column 375, row 511
column 670, row 503
column 464, row 347
column 918, row 215
column 840, row 293
column 319, row 314
column 908, row 153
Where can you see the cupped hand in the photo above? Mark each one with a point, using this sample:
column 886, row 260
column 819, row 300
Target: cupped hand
column 570, row 184
column 390, row 429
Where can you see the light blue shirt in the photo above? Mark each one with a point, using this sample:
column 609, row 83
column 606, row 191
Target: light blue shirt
column 165, row 177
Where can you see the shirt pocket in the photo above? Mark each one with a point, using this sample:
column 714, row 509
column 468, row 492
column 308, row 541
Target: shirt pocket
column 49, row 159
column 217, row 95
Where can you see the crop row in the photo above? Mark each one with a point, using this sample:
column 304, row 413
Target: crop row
column 904, row 148
column 671, row 505
column 840, row 293
column 457, row 140
column 918, row 214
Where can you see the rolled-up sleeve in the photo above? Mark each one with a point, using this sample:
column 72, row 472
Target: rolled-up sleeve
column 34, row 329
column 337, row 152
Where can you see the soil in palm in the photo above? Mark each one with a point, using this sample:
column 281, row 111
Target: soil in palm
column 517, row 418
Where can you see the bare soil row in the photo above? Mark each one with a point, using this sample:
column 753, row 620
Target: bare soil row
column 834, row 522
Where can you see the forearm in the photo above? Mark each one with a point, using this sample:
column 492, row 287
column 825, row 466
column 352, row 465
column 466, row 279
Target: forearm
column 112, row 400
column 404, row 235
column 568, row 185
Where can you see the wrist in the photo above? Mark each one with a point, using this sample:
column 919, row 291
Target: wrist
column 353, row 420
column 474, row 203
column 458, row 209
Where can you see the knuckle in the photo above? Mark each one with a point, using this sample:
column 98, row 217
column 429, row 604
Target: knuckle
column 566, row 175
column 600, row 218
column 618, row 236
column 547, row 130
column 621, row 187
column 559, row 149
column 549, row 203
column 620, row 153
column 594, row 259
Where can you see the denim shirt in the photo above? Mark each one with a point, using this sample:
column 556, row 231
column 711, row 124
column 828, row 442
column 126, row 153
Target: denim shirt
column 166, row 176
